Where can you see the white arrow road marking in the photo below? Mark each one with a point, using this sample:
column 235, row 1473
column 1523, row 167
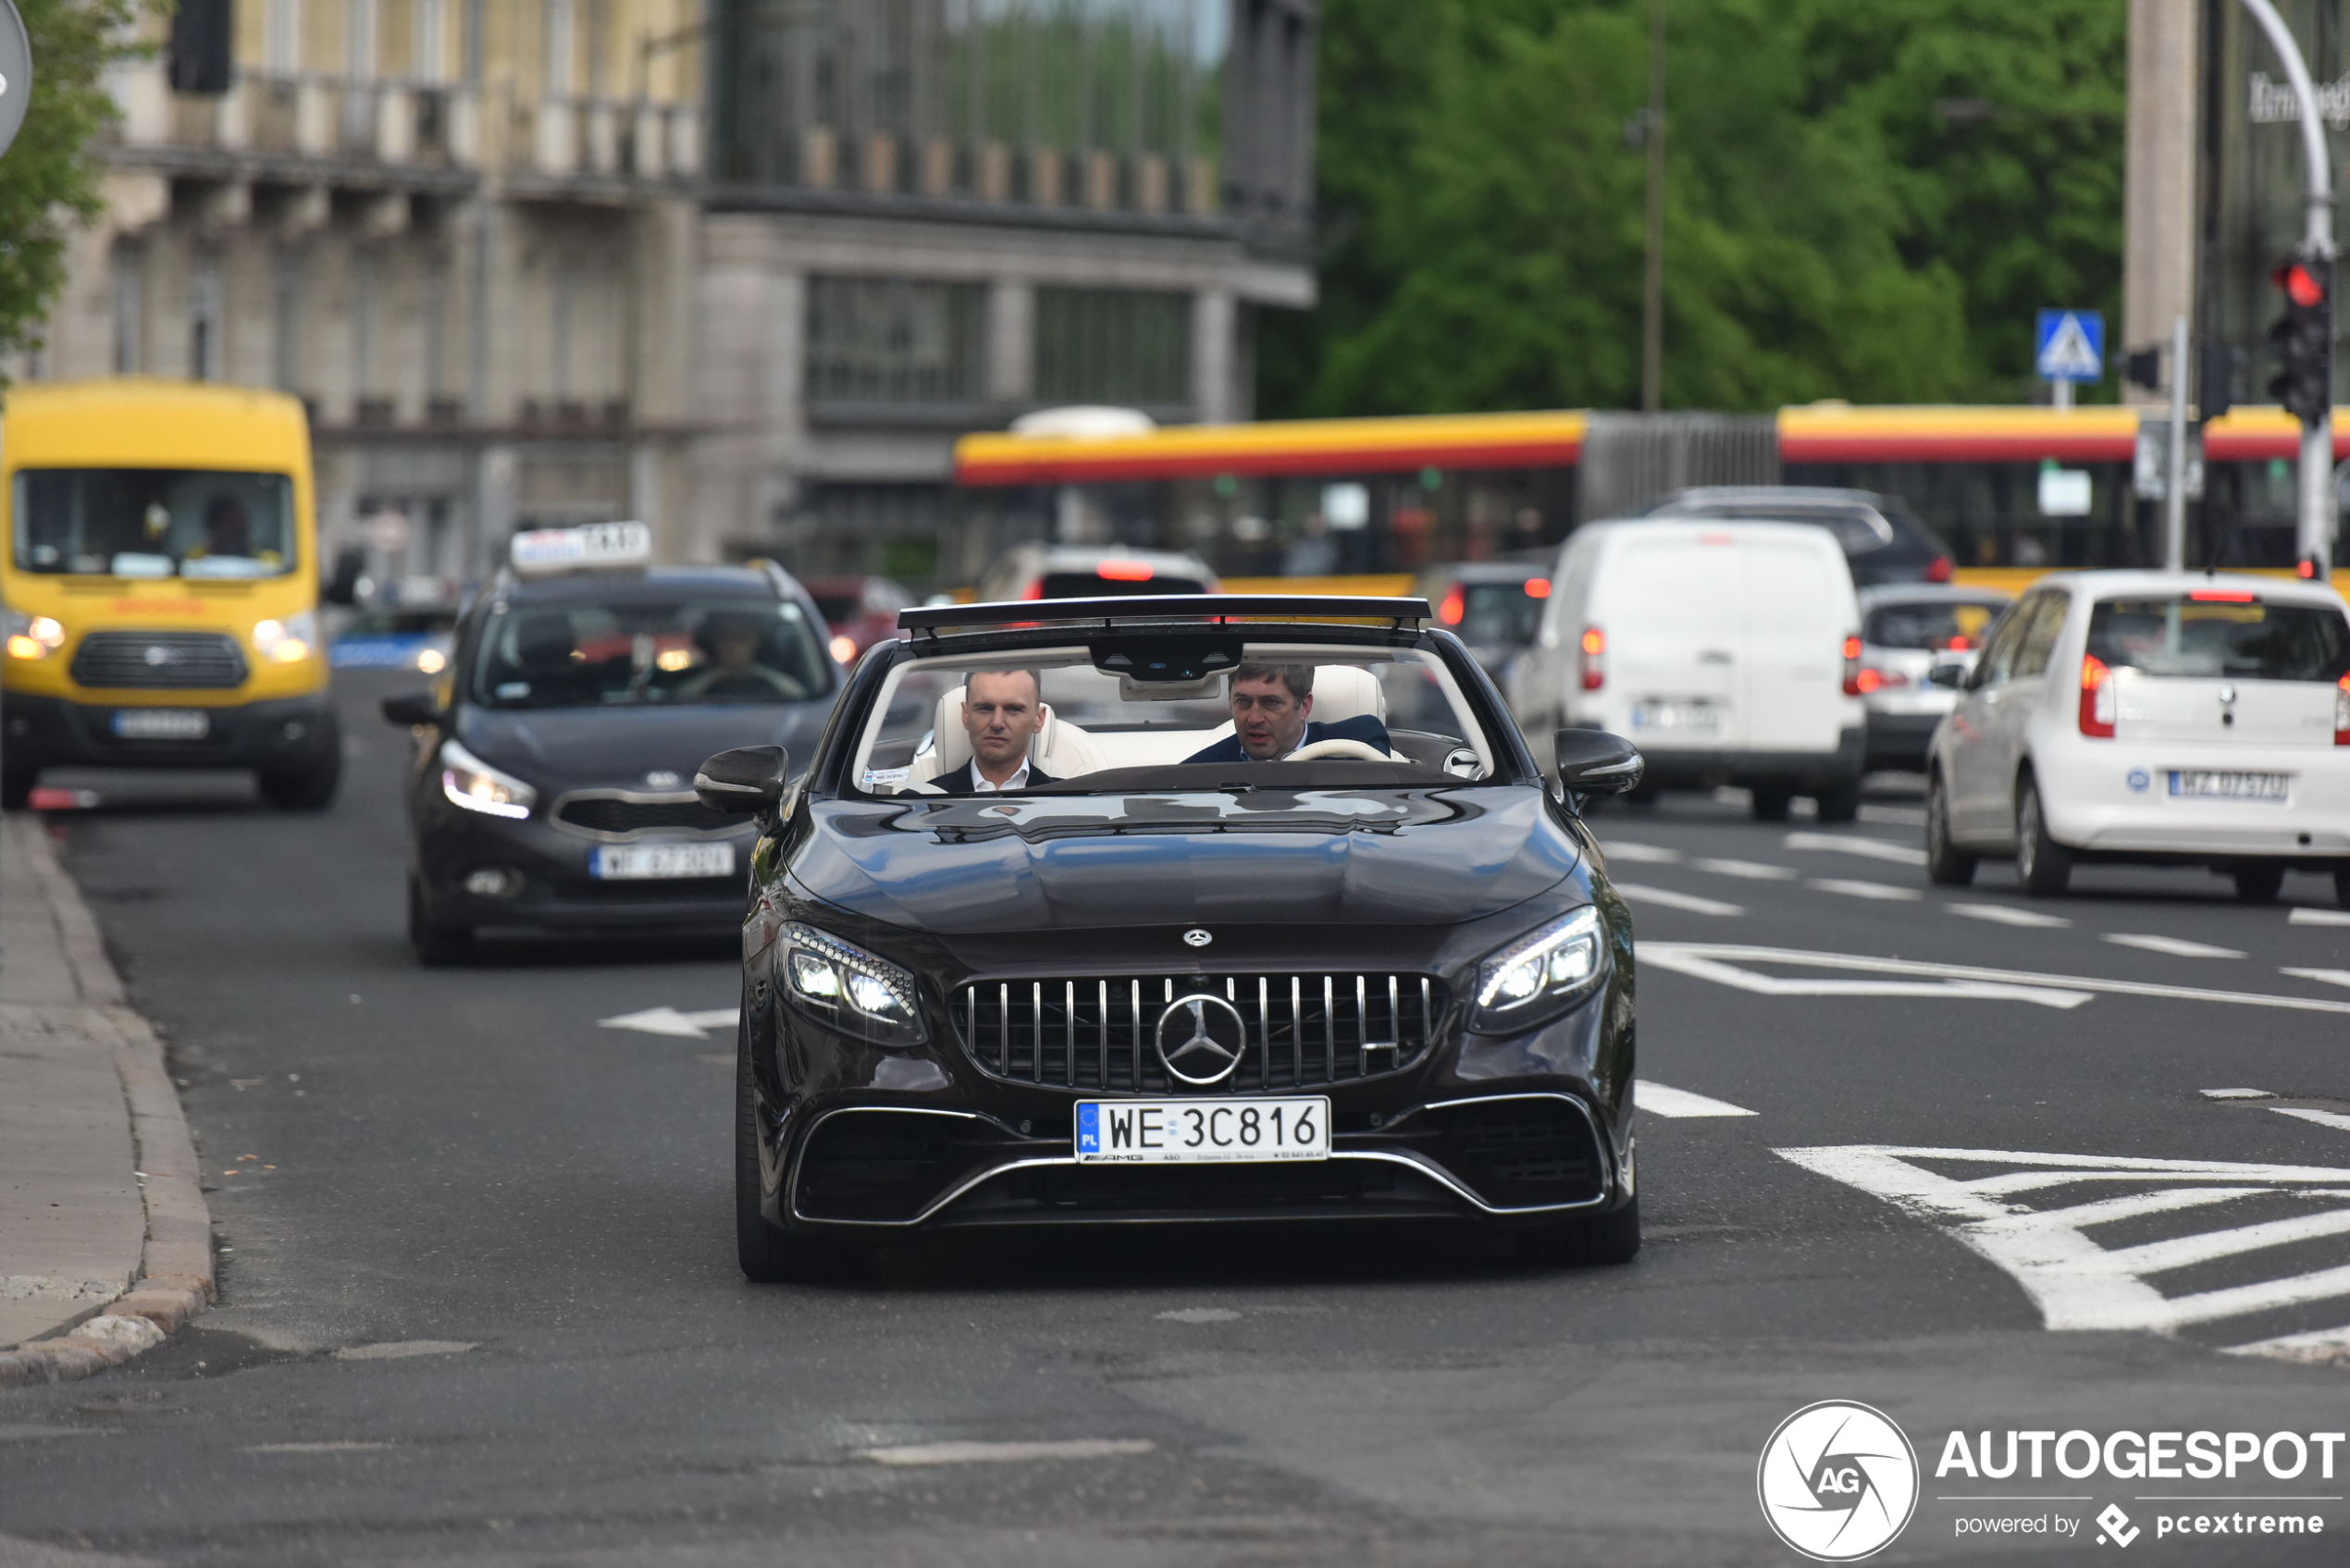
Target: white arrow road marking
column 2323, row 1118
column 2326, row 1347
column 1720, row 955
column 2176, row 946
column 1641, row 893
column 670, row 1021
column 1627, row 849
column 2236, row 1094
column 2007, row 915
column 1865, row 889
column 1852, row 843
column 1689, row 958
column 1006, row 1453
column 2332, row 977
column 2319, row 918
column 2076, row 1283
column 1753, row 871
column 1659, row 1101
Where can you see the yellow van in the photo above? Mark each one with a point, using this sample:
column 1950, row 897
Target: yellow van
column 162, row 586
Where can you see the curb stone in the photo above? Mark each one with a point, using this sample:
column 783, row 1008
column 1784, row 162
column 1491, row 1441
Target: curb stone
column 176, row 1279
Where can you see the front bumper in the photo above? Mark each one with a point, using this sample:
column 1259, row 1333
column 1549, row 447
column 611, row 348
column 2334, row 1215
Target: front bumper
column 276, row 734
column 556, row 891
column 1698, row 767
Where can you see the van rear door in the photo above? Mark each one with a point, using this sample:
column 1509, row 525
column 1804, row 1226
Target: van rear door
column 1799, row 607
column 1673, row 603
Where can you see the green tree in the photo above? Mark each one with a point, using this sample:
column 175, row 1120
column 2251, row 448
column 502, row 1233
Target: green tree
column 51, row 176
column 1828, row 232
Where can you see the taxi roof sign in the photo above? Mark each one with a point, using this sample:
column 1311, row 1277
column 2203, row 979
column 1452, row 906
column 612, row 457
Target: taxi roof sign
column 593, row 543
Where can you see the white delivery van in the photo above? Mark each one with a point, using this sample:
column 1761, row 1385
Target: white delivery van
column 1727, row 652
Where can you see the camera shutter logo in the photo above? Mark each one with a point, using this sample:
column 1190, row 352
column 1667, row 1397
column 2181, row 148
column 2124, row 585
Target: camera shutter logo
column 1838, row 1481
column 1201, row 1038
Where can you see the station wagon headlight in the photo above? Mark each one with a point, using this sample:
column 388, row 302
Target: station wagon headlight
column 1555, row 964
column 289, row 641
column 473, row 783
column 34, row 637
column 849, row 988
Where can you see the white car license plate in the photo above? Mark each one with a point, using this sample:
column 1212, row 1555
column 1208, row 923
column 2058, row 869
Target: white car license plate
column 641, row 863
column 2198, row 783
column 1698, row 717
column 1202, row 1132
column 162, row 723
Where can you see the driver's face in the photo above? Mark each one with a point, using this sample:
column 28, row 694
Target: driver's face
column 736, row 649
column 1268, row 721
column 1001, row 715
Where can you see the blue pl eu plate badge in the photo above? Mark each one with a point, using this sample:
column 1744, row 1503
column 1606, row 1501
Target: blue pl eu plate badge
column 1089, row 1130
column 2140, row 779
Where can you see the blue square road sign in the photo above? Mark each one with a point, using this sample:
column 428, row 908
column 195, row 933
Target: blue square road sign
column 2069, row 345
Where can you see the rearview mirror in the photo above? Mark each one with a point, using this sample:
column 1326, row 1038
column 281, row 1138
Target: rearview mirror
column 411, row 707
column 1594, row 762
column 746, row 779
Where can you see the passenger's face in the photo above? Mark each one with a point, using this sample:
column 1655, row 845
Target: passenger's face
column 1268, row 721
column 1001, row 715
column 737, row 648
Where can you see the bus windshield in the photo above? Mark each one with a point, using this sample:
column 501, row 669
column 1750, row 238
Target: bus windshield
column 154, row 522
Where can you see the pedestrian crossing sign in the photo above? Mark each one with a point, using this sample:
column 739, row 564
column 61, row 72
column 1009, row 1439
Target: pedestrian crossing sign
column 2070, row 346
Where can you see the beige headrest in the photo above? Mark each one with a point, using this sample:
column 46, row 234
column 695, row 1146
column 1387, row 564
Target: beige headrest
column 1347, row 691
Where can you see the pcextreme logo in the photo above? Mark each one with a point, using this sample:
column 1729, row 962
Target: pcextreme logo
column 1838, row 1481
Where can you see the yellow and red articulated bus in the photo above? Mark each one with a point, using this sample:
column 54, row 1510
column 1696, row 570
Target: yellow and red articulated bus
column 2015, row 491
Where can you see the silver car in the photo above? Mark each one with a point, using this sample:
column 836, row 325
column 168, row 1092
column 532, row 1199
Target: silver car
column 1906, row 630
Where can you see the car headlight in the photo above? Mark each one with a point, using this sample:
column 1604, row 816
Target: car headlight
column 849, row 988
column 289, row 641
column 34, row 637
column 473, row 783
column 1526, row 979
column 431, row 661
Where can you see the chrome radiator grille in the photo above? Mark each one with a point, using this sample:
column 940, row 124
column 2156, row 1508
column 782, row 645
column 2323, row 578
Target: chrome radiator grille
column 1301, row 1030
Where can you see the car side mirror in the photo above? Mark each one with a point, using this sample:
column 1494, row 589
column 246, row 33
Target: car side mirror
column 411, row 708
column 1594, row 762
column 740, row 782
column 1950, row 678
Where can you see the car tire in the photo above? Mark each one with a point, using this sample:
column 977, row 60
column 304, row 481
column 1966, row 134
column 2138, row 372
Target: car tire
column 769, row 1254
column 2042, row 865
column 1839, row 803
column 1945, row 864
column 310, row 788
column 16, row 787
column 1613, row 1237
column 436, row 945
column 1770, row 803
column 2257, row 883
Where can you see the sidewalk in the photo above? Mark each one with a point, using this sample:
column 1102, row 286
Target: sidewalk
column 104, row 1241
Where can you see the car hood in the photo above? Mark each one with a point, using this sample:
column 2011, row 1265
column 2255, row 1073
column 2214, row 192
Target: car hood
column 618, row 746
column 976, row 864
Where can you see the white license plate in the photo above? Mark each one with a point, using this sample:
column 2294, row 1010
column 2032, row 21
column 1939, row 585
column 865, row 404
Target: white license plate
column 2200, row 784
column 1223, row 1131
column 1701, row 717
column 162, row 723
column 641, row 863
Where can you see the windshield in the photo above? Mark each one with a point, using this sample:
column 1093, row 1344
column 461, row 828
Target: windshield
column 1390, row 717
column 1504, row 615
column 638, row 653
column 2236, row 636
column 1932, row 624
column 154, row 522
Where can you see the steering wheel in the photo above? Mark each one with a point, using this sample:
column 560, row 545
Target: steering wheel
column 753, row 681
column 1361, row 752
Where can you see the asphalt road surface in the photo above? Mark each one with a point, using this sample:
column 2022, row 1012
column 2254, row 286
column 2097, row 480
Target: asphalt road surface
column 1961, row 1162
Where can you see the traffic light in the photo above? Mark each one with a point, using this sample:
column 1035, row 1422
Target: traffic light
column 2303, row 339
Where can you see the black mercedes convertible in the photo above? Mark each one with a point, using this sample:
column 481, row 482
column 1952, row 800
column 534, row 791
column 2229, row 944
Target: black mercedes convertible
column 1177, row 909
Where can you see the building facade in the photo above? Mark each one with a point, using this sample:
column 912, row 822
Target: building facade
column 741, row 267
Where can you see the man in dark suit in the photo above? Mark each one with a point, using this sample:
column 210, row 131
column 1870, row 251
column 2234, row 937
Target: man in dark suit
column 1272, row 716
column 1002, row 713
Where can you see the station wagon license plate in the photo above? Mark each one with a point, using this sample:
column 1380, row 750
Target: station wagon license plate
column 162, row 723
column 1694, row 717
column 1220, row 1132
column 2197, row 783
column 644, row 862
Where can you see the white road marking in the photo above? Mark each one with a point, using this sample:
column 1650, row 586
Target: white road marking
column 2076, row 1283
column 1753, row 871
column 1689, row 958
column 1640, row 893
column 2237, row 1095
column 1006, row 1453
column 1626, row 849
column 1686, row 955
column 348, row 1446
column 1659, row 1101
column 2307, row 917
column 2332, row 977
column 395, row 1350
column 1201, row 1315
column 1863, row 889
column 1900, row 816
column 670, row 1021
column 1852, row 843
column 2323, row 1118
column 2176, row 946
column 2008, row 915
column 2325, row 1347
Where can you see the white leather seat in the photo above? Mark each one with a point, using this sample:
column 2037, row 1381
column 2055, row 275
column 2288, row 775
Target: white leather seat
column 1347, row 691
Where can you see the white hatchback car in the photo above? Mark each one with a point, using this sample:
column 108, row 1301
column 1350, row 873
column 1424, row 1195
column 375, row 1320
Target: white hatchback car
column 2155, row 717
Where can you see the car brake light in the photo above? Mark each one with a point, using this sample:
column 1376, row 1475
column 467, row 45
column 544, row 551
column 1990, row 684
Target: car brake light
column 1036, row 588
column 1958, row 645
column 1454, row 607
column 2341, row 711
column 1537, row 587
column 1869, row 681
column 1594, row 658
column 1939, row 569
column 1124, row 571
column 2223, row 595
column 2097, row 699
column 1852, row 671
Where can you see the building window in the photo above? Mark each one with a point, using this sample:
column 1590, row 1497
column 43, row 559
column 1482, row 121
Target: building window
column 128, row 296
column 204, row 321
column 1113, row 346
column 427, row 42
column 281, row 36
column 882, row 340
column 361, row 19
column 559, row 49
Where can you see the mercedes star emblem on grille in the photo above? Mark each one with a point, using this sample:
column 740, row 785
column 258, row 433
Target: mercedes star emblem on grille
column 1205, row 1032
column 1196, row 938
column 662, row 778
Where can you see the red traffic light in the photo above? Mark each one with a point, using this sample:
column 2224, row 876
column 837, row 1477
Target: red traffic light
column 2300, row 285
